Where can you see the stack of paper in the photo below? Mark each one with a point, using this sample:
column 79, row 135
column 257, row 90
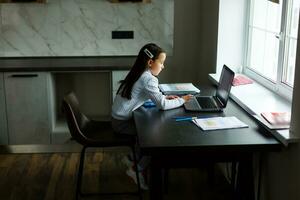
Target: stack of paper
column 277, row 118
column 268, row 125
column 215, row 123
column 241, row 80
column 178, row 88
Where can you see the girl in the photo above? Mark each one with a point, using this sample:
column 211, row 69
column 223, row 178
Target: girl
column 140, row 85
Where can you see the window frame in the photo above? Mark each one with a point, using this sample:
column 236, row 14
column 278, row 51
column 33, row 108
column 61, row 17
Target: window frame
column 277, row 86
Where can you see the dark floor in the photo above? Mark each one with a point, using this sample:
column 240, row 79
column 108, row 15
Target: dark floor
column 52, row 176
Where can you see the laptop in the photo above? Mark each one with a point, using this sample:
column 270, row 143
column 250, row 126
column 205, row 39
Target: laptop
column 217, row 102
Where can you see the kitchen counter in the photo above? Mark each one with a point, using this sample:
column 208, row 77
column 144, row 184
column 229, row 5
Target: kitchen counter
column 57, row 64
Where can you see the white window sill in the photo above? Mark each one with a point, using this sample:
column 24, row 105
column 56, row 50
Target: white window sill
column 255, row 99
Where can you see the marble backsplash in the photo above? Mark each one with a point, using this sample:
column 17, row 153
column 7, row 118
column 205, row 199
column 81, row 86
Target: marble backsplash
column 83, row 27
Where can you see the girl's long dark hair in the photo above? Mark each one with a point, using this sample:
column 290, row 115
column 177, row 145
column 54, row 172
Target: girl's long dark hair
column 147, row 52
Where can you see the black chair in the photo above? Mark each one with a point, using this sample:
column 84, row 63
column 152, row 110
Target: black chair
column 91, row 133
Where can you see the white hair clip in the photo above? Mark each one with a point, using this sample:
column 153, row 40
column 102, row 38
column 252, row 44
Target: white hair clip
column 149, row 54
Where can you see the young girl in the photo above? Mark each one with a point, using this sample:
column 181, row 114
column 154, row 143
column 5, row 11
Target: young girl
column 140, row 85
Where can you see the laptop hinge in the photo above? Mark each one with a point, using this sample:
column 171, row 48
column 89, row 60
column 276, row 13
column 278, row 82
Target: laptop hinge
column 219, row 101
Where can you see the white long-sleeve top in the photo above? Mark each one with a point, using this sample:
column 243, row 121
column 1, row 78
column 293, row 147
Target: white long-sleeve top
column 146, row 87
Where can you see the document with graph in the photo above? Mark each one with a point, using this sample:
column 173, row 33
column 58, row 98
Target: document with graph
column 216, row 123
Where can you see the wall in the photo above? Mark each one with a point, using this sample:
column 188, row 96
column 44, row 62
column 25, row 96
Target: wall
column 83, row 27
column 231, row 37
column 195, row 42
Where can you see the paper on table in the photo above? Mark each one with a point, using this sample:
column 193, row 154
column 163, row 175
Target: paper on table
column 215, row 123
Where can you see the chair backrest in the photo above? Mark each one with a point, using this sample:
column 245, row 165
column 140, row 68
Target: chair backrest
column 76, row 120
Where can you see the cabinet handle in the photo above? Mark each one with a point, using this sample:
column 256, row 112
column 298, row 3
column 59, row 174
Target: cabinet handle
column 24, row 75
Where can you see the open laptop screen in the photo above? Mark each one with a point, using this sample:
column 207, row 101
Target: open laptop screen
column 224, row 86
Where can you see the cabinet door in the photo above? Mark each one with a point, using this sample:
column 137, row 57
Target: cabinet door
column 3, row 121
column 27, row 108
column 117, row 76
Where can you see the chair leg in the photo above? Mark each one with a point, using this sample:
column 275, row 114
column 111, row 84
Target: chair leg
column 137, row 172
column 80, row 176
column 80, row 171
column 211, row 173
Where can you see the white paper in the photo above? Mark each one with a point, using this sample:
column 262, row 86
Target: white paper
column 215, row 123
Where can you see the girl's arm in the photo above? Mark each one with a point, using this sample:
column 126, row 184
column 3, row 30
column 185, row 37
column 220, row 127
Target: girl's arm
column 153, row 92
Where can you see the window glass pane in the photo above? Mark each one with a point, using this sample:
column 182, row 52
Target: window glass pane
column 274, row 16
column 259, row 13
column 267, row 15
column 264, row 53
column 295, row 18
column 271, row 56
column 257, row 50
column 290, row 68
column 291, row 43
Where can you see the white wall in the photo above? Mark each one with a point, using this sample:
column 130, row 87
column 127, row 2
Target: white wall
column 195, row 42
column 231, row 36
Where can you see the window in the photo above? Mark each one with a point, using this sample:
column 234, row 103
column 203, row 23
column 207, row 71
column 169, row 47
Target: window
column 272, row 42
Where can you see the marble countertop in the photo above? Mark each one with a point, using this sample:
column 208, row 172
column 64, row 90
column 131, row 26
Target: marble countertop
column 65, row 64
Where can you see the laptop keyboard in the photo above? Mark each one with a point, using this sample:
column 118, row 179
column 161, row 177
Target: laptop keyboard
column 206, row 103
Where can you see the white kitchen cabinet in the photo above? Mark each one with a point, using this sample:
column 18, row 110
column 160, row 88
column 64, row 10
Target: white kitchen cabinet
column 27, row 106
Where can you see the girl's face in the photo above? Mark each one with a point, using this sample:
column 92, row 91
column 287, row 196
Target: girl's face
column 158, row 64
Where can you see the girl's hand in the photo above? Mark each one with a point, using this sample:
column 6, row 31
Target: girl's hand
column 187, row 97
column 172, row 97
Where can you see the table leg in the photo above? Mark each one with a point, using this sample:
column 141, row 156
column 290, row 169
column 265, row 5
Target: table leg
column 233, row 176
column 156, row 192
column 259, row 176
column 245, row 181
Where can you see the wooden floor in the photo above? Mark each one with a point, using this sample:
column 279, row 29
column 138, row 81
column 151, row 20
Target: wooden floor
column 52, row 176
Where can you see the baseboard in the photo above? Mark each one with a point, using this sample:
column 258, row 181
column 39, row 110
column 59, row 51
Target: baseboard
column 40, row 148
column 55, row 148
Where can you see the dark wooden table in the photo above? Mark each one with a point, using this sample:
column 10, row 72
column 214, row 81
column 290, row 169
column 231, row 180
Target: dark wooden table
column 174, row 144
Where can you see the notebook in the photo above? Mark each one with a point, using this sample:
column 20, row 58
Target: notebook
column 217, row 102
column 178, row 88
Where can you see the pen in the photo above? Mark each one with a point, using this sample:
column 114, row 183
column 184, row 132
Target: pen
column 178, row 119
